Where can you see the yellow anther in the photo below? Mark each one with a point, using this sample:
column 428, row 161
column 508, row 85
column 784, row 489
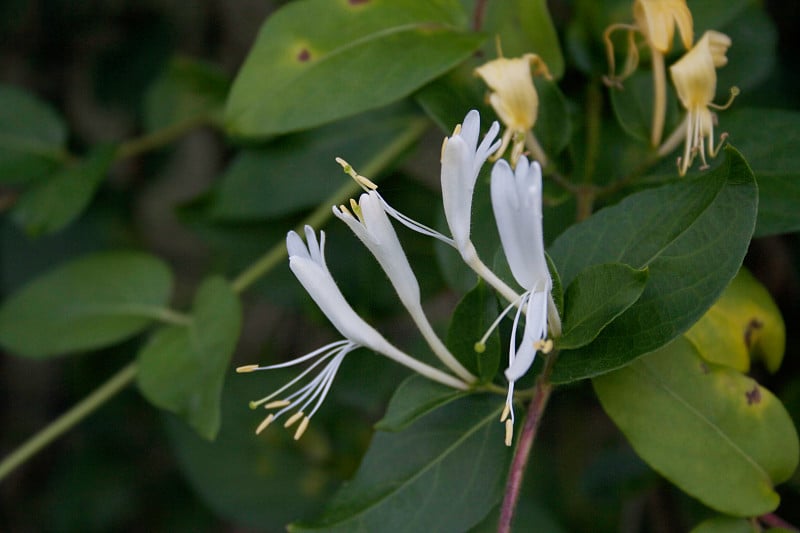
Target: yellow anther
column 246, row 368
column 276, row 404
column 457, row 129
column 365, row 182
column 441, row 154
column 480, row 347
column 301, row 428
column 506, row 412
column 509, row 432
column 263, row 425
column 294, row 418
column 356, row 209
column 350, row 171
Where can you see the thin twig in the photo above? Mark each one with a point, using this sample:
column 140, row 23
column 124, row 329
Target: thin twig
column 522, row 454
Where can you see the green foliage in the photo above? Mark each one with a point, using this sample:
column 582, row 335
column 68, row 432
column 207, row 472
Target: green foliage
column 724, row 524
column 692, row 236
column 771, row 151
column 524, row 26
column 91, row 302
column 406, row 476
column 633, row 106
column 597, row 296
column 744, row 323
column 182, row 367
column 298, row 171
column 187, row 90
column 415, row 397
column 728, row 440
column 51, row 205
column 316, row 61
column 471, row 319
column 33, row 137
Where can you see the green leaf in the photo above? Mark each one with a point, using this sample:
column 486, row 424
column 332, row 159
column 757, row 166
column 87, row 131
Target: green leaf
column 445, row 472
column 744, row 322
column 261, row 482
column 188, row 90
column 33, row 136
column 692, row 236
column 553, row 128
column 182, row 367
column 471, row 319
column 633, row 106
column 558, row 289
column 316, row 61
column 771, row 151
column 414, row 398
column 50, row 206
column 727, row 442
column 596, row 297
column 524, row 26
column 88, row 303
column 752, row 56
column 298, row 171
column 448, row 99
column 724, row 524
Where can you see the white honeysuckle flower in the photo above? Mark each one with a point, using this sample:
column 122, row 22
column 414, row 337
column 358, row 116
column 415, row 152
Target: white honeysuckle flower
column 462, row 159
column 307, row 262
column 517, row 203
column 695, row 79
column 373, row 228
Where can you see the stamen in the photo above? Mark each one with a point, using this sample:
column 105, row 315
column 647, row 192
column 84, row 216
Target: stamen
column 294, row 418
column 277, row 403
column 506, row 412
column 356, row 209
column 263, row 425
column 548, row 346
column 301, row 428
column 480, row 346
column 734, row 93
column 509, row 432
column 343, row 209
column 246, row 368
column 456, row 130
column 364, row 182
column 444, row 144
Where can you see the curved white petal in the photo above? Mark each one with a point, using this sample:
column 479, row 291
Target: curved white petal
column 378, row 235
column 535, row 330
column 517, row 204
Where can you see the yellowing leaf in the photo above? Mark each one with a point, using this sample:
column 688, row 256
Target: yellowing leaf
column 744, row 323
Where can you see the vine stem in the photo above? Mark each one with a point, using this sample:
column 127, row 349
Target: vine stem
column 773, row 520
column 541, row 395
column 59, row 426
column 161, row 137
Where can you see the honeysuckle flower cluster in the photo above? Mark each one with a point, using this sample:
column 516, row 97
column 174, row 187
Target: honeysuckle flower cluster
column 693, row 75
column 517, row 203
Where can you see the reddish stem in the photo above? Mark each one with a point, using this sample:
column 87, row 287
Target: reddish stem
column 515, row 475
column 477, row 14
column 773, row 520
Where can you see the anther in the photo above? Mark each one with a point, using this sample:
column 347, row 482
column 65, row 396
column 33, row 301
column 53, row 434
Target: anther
column 294, row 418
column 356, row 209
column 509, row 432
column 301, row 428
column 276, row 404
column 263, row 425
column 246, row 368
column 506, row 412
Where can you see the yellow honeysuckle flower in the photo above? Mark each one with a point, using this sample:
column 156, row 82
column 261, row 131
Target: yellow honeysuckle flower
column 656, row 20
column 515, row 100
column 695, row 79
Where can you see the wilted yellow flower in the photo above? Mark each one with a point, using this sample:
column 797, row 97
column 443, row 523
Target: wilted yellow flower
column 515, row 100
column 695, row 79
column 655, row 20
